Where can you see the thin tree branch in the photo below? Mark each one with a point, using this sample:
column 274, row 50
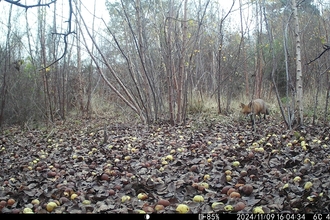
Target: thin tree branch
column 19, row 4
column 39, row 4
column 65, row 37
column 326, row 48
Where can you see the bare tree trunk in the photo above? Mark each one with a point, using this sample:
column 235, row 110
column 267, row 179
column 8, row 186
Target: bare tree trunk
column 64, row 105
column 325, row 117
column 56, row 83
column 259, row 61
column 6, row 69
column 148, row 98
column 318, row 86
column 274, row 62
column 90, row 71
column 290, row 109
column 181, row 75
column 238, row 56
column 246, row 73
column 299, row 83
column 219, row 75
column 327, row 100
column 131, row 102
column 45, row 72
column 141, row 50
column 169, row 62
column 79, row 73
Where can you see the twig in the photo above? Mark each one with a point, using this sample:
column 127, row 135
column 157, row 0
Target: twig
column 19, row 4
column 326, row 48
column 65, row 37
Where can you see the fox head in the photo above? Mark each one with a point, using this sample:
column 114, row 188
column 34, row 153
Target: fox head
column 245, row 109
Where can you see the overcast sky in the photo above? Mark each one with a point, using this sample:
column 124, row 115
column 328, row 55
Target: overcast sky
column 87, row 5
column 18, row 16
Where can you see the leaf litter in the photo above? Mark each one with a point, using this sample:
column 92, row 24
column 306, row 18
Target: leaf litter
column 85, row 169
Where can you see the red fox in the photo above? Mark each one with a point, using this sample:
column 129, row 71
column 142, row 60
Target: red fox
column 256, row 106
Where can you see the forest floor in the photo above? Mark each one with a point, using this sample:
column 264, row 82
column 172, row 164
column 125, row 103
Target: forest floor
column 206, row 166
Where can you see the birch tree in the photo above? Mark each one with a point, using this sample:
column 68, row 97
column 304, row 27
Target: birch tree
column 299, row 82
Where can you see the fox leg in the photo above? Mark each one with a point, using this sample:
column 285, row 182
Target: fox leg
column 252, row 116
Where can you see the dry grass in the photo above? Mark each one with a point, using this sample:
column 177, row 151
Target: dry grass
column 208, row 107
column 114, row 110
column 205, row 108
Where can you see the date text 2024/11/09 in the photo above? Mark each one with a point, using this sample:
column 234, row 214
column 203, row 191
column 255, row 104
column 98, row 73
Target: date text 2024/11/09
column 271, row 216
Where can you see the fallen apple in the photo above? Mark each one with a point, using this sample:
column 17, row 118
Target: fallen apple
column 182, row 208
column 11, row 202
column 297, row 179
column 308, row 185
column 229, row 208
column 258, row 210
column 27, row 211
column 51, row 206
column 142, row 196
column 159, row 207
column 216, row 205
column 125, row 198
column 198, row 198
column 236, row 163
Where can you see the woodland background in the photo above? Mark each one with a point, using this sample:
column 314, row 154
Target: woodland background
column 134, row 106
column 161, row 60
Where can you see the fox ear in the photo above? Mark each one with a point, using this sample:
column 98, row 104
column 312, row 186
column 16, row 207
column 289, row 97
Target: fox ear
column 242, row 105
